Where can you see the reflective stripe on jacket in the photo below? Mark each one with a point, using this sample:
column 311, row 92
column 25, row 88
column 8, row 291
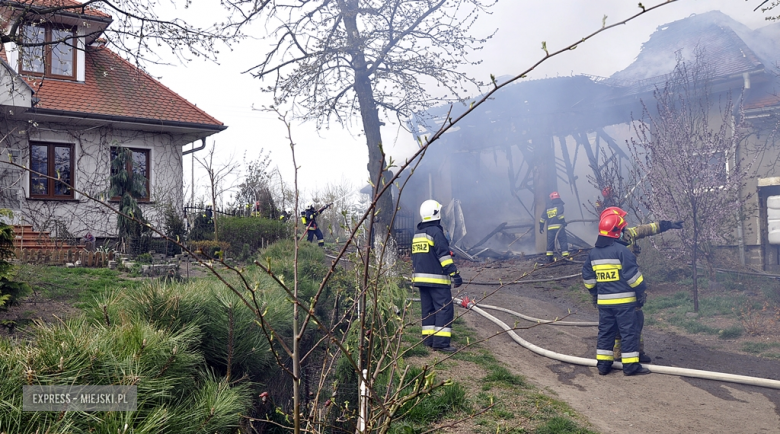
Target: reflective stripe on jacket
column 553, row 215
column 431, row 258
column 310, row 216
column 612, row 274
column 630, row 235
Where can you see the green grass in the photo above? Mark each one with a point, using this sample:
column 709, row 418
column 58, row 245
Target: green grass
column 434, row 406
column 501, row 375
column 516, row 406
column 674, row 310
column 732, row 332
column 561, row 425
column 758, row 347
column 75, row 284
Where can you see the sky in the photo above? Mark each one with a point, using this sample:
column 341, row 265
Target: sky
column 338, row 156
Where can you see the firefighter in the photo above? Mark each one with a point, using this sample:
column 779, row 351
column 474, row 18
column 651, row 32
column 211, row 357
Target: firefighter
column 613, row 279
column 309, row 219
column 208, row 215
column 285, row 216
column 628, row 237
column 554, row 218
column 608, row 199
column 434, row 273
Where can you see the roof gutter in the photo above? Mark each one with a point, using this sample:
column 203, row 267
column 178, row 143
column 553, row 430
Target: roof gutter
column 190, row 151
column 134, row 120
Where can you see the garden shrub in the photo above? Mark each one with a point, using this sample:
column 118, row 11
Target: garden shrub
column 253, row 231
column 176, row 393
column 209, row 248
column 10, row 291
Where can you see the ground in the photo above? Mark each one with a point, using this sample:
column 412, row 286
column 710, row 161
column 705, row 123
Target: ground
column 614, row 403
column 610, row 404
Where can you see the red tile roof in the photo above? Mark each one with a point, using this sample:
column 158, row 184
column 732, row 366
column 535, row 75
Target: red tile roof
column 73, row 6
column 114, row 87
column 763, row 96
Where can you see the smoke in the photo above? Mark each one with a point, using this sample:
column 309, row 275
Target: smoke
column 559, row 130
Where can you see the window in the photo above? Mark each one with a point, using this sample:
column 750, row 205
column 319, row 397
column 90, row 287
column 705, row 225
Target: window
column 55, row 161
column 138, row 165
column 55, row 57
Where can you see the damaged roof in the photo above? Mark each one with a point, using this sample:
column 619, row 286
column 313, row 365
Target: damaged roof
column 712, row 33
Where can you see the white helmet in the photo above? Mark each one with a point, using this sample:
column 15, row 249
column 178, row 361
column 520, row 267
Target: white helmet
column 310, row 205
column 430, row 210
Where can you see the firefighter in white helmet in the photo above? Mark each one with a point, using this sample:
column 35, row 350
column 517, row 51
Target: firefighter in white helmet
column 434, row 274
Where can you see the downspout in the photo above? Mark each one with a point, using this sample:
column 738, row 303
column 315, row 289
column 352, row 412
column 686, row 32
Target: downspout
column 192, row 167
column 202, row 145
column 740, row 228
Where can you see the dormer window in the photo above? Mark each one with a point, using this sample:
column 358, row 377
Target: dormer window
column 55, row 56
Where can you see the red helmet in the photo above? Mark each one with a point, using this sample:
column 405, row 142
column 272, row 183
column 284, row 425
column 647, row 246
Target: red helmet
column 555, row 195
column 606, row 191
column 612, row 210
column 611, row 225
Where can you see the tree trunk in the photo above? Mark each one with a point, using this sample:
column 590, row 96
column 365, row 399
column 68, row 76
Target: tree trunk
column 369, row 115
column 695, row 255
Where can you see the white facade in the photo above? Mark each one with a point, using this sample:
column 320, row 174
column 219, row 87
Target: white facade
column 88, row 210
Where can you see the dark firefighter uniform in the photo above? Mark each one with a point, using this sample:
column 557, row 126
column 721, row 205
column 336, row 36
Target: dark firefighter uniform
column 309, row 219
column 629, row 238
column 556, row 222
column 613, row 279
column 433, row 272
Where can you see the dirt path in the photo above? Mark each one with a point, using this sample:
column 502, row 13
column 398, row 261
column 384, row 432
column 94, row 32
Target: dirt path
column 614, row 403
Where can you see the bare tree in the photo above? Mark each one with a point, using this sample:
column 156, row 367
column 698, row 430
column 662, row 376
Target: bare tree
column 221, row 178
column 255, row 186
column 368, row 332
column 686, row 152
column 338, row 58
column 138, row 27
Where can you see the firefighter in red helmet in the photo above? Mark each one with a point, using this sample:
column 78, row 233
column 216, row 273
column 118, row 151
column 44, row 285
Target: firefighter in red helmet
column 631, row 235
column 553, row 216
column 628, row 237
column 613, row 279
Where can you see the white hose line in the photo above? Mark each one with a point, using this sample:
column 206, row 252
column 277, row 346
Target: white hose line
column 670, row 370
column 541, row 321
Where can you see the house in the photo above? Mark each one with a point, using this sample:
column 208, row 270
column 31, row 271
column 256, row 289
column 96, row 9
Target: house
column 537, row 136
column 67, row 105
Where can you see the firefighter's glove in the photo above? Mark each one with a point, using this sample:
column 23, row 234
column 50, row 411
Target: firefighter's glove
column 594, row 298
column 456, row 280
column 666, row 225
column 541, row 228
column 640, row 301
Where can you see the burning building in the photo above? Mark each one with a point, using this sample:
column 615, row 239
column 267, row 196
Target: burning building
column 559, row 134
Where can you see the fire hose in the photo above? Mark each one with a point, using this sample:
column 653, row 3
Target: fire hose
column 669, row 370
